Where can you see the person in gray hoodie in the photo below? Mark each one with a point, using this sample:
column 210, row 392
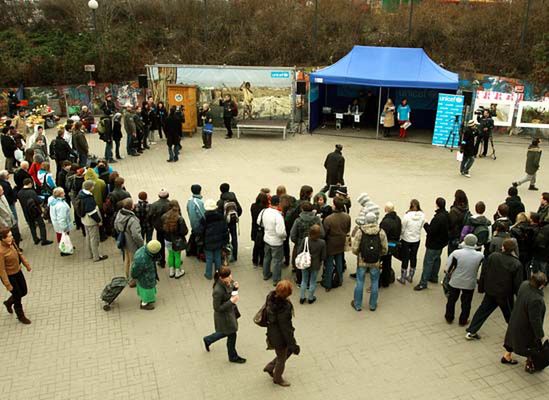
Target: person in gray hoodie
column 463, row 265
column 195, row 210
column 370, row 238
column 126, row 221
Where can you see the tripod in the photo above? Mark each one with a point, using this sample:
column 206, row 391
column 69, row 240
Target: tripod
column 493, row 155
column 452, row 135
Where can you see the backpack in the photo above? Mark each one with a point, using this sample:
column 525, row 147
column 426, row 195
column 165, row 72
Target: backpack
column 370, row 248
column 121, row 237
column 230, row 212
column 33, row 209
column 78, row 206
column 101, row 128
column 482, row 233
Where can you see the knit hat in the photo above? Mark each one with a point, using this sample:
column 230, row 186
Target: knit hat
column 371, row 218
column 154, row 246
column 224, row 188
column 470, row 241
column 163, row 194
column 210, row 205
column 196, row 189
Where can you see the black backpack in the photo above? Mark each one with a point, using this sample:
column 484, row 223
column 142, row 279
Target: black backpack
column 78, row 206
column 370, row 248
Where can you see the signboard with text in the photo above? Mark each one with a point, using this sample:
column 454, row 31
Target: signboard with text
column 448, row 121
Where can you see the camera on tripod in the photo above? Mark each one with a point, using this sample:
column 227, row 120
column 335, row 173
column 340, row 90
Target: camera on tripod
column 480, row 110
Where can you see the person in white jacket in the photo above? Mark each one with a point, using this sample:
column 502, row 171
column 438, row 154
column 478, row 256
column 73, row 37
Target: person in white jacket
column 275, row 233
column 412, row 224
column 60, row 214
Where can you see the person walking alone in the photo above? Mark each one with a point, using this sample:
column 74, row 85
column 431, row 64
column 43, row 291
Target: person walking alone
column 467, row 148
column 174, row 133
column 533, row 157
column 335, row 168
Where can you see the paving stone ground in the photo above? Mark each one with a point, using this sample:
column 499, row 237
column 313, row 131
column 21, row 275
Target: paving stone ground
column 405, row 350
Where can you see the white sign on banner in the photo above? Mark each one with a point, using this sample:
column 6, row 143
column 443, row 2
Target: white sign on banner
column 502, row 110
column 533, row 114
column 89, row 68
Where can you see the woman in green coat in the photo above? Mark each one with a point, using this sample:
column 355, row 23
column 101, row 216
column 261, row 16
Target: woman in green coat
column 225, row 297
column 144, row 272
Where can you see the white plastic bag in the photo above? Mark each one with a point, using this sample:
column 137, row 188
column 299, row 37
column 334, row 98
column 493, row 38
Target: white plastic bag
column 65, row 244
column 459, row 156
column 19, row 155
column 303, row 259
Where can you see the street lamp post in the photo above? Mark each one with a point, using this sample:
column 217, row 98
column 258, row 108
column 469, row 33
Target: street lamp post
column 93, row 5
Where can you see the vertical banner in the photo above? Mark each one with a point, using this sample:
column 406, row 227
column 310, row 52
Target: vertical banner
column 448, row 121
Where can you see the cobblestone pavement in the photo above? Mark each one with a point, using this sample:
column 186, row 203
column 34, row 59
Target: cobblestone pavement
column 405, row 350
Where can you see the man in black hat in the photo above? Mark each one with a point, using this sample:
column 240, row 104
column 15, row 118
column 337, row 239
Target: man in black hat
column 467, row 147
column 335, row 167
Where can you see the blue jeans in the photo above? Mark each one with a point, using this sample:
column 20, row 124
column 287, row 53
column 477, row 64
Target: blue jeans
column 359, row 288
column 108, row 151
column 274, row 254
column 308, row 280
column 233, row 230
column 212, row 256
column 466, row 164
column 336, row 260
column 173, row 151
column 14, row 212
column 431, row 266
column 231, row 343
column 129, row 147
column 537, row 266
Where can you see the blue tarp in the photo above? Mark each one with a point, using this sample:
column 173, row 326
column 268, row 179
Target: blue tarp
column 387, row 67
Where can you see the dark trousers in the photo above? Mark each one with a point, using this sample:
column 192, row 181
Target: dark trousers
column 194, row 248
column 231, row 343
column 207, row 140
column 258, row 253
column 487, row 307
column 160, row 130
column 33, row 223
column 277, row 365
column 386, row 267
column 233, row 230
column 117, row 148
column 286, row 249
column 160, row 238
column 484, row 139
column 466, row 299
column 19, row 289
column 228, row 124
column 409, row 254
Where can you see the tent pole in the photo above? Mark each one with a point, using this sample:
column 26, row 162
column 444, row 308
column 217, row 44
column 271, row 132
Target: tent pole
column 378, row 112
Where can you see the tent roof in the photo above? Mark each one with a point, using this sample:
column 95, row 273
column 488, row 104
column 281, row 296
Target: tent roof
column 388, row 67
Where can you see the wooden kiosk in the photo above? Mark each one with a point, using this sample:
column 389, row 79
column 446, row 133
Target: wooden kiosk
column 186, row 96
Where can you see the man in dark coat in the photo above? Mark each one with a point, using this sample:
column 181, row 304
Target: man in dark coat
column 525, row 329
column 108, row 106
column 229, row 197
column 500, row 280
column 514, row 203
column 467, row 147
column 437, row 240
column 174, row 133
column 11, row 195
column 9, row 146
column 392, row 226
column 21, row 174
column 486, row 124
column 32, row 211
column 60, row 151
column 533, row 157
column 156, row 211
column 335, row 168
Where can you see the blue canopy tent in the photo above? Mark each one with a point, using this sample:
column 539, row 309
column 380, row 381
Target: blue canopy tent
column 390, row 67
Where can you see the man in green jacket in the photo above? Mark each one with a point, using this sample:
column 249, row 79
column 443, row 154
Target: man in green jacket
column 144, row 271
column 533, row 157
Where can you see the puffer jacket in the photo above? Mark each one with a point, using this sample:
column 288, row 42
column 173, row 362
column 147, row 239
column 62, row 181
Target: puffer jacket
column 457, row 216
column 195, row 210
column 300, row 229
column 216, row 231
column 144, row 268
column 412, row 223
column 60, row 214
column 126, row 221
column 369, row 229
column 280, row 330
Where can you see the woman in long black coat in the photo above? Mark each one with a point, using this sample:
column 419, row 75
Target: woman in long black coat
column 280, row 331
column 174, row 133
column 225, row 297
column 525, row 329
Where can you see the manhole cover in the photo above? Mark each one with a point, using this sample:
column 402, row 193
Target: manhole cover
column 291, row 170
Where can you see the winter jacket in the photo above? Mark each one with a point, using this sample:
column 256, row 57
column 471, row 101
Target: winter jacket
column 255, row 210
column 515, row 207
column 412, row 222
column 473, row 222
column 467, row 146
column 335, row 168
column 117, row 195
column 497, row 242
column 99, row 189
column 466, row 271
column 8, row 145
column 157, row 210
column 116, row 130
column 226, row 197
column 174, row 129
column 12, row 258
column 336, row 227
column 108, row 107
column 141, row 210
column 533, row 157
column 543, row 212
column 144, row 268
column 524, row 234
column 33, row 172
column 126, row 221
column 457, row 218
column 224, row 310
column 273, row 223
column 389, row 116
column 80, row 143
column 7, row 219
column 280, row 331
column 300, row 229
column 317, row 249
column 525, row 329
column 29, row 203
column 91, row 211
column 196, row 211
column 74, row 184
column 60, row 150
column 392, row 226
column 11, row 195
column 46, row 178
column 60, row 214
column 19, row 176
column 216, row 230
column 500, row 276
column 129, row 124
column 437, row 230
column 369, row 229
column 540, row 244
column 178, row 233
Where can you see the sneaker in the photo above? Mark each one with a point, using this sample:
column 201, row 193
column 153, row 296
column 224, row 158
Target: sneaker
column 101, row 258
column 532, row 188
column 311, row 301
column 206, row 345
column 179, row 273
column 401, row 280
column 46, row 242
column 472, row 336
column 420, row 287
column 467, row 175
column 302, row 301
column 353, row 305
column 172, row 272
column 148, row 306
column 238, row 360
column 266, row 278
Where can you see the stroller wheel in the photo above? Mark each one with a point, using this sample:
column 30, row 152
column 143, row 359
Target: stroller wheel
column 107, row 307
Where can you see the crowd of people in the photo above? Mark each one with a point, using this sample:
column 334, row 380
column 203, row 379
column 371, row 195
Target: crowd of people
column 511, row 250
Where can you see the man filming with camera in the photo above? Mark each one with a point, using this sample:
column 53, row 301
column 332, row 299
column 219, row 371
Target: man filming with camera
column 485, row 126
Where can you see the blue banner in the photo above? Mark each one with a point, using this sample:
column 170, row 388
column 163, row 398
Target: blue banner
column 449, row 107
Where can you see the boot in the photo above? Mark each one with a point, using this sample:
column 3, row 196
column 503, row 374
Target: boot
column 21, row 315
column 9, row 304
column 402, row 278
column 411, row 275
